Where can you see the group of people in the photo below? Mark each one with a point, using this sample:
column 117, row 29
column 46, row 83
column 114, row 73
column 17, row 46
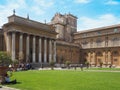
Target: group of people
column 23, row 66
column 20, row 67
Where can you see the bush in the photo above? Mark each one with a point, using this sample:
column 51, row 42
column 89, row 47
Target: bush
column 52, row 63
column 5, row 59
column 67, row 64
column 87, row 64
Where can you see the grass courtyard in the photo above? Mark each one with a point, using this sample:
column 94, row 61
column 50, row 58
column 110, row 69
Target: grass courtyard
column 66, row 80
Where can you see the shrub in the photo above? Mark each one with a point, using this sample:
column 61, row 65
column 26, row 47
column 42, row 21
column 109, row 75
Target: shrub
column 5, row 59
column 52, row 63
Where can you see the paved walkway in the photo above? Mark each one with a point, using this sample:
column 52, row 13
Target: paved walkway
column 7, row 88
column 102, row 70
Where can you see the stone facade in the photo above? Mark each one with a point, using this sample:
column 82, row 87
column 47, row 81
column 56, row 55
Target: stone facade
column 65, row 26
column 100, row 45
column 2, row 43
column 68, row 52
column 59, row 41
column 30, row 41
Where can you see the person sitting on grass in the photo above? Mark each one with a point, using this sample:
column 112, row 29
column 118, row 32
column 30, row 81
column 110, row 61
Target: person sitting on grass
column 7, row 79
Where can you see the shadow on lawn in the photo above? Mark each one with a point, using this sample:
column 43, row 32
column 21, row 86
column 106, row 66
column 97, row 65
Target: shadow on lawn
column 12, row 83
column 18, row 82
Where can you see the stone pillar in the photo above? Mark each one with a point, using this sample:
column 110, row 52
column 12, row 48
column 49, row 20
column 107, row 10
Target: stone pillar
column 45, row 50
column 8, row 42
column 27, row 48
column 50, row 50
column 40, row 51
column 94, row 58
column 13, row 46
column 104, row 57
column 89, row 57
column 109, row 57
column 34, row 49
column 54, row 51
column 21, row 44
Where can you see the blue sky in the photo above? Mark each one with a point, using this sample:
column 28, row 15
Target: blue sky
column 90, row 13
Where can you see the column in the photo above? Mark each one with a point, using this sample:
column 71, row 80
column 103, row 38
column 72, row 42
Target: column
column 34, row 54
column 104, row 57
column 89, row 57
column 13, row 46
column 45, row 50
column 27, row 48
column 109, row 57
column 40, row 51
column 21, row 55
column 94, row 58
column 54, row 51
column 8, row 43
column 21, row 44
column 50, row 50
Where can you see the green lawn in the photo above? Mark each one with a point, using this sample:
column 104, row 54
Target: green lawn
column 66, row 80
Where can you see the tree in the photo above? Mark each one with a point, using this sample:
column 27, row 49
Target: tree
column 5, row 58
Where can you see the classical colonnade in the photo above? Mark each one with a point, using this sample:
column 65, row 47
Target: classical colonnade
column 95, row 58
column 46, row 49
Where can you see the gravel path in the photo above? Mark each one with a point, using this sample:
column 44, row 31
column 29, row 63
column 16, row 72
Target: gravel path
column 7, row 88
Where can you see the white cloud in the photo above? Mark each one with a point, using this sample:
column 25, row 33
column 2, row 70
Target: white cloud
column 39, row 7
column 103, row 20
column 82, row 1
column 6, row 10
column 44, row 3
column 112, row 2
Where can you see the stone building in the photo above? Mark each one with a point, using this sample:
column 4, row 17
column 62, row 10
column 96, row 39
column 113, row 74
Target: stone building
column 38, row 43
column 29, row 41
column 100, row 45
column 66, row 26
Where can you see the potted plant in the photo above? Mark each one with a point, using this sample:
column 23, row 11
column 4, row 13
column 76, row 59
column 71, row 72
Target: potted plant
column 101, row 64
column 67, row 64
column 87, row 64
column 52, row 63
column 5, row 60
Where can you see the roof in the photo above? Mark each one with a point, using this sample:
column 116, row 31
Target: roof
column 98, row 29
column 30, row 23
column 67, row 43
